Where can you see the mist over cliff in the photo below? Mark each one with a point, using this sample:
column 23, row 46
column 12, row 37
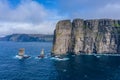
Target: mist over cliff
column 87, row 36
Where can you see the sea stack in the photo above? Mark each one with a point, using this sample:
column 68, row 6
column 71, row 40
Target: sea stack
column 87, row 36
column 21, row 52
column 41, row 54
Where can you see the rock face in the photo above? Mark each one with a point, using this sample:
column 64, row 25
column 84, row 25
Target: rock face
column 62, row 37
column 87, row 36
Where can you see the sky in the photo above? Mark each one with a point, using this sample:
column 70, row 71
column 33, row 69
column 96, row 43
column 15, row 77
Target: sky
column 41, row 16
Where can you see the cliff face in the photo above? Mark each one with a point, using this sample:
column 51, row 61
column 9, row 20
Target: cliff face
column 62, row 37
column 87, row 36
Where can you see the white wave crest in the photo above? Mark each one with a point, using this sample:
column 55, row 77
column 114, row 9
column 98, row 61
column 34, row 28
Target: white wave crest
column 59, row 59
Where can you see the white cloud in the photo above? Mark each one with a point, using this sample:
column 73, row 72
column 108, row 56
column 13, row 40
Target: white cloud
column 109, row 11
column 27, row 17
column 89, row 9
column 29, row 28
column 25, row 12
column 32, row 17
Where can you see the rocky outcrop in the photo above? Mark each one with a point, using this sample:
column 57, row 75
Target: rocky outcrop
column 62, row 37
column 87, row 36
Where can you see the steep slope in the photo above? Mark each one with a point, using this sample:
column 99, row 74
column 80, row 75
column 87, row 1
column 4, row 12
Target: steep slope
column 87, row 36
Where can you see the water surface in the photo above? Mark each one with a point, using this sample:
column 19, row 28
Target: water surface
column 82, row 67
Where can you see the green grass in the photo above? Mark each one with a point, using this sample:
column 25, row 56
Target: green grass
column 117, row 25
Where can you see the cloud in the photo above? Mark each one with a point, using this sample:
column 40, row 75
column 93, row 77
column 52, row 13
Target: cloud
column 109, row 11
column 30, row 16
column 88, row 9
column 27, row 17
column 29, row 11
column 29, row 28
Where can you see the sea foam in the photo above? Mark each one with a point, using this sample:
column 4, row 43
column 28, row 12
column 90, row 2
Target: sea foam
column 60, row 59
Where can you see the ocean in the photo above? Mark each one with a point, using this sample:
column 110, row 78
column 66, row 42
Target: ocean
column 80, row 67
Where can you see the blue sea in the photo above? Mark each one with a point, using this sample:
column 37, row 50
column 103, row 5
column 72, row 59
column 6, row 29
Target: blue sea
column 80, row 67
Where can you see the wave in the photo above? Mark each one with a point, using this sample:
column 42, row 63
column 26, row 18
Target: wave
column 22, row 57
column 101, row 54
column 60, row 59
column 18, row 57
column 41, row 58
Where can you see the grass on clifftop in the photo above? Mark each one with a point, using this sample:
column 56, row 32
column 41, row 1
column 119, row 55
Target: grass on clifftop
column 117, row 25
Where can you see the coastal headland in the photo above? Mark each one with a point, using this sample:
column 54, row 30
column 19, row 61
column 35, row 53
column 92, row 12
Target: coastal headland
column 87, row 36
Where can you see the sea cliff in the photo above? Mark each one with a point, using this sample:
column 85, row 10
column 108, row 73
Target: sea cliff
column 87, row 36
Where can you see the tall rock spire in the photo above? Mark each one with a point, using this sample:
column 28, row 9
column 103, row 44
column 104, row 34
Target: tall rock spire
column 62, row 37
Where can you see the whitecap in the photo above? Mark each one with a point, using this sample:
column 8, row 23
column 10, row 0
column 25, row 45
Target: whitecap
column 18, row 57
column 38, row 58
column 59, row 59
column 98, row 56
column 102, row 54
column 73, row 55
column 64, row 70
column 41, row 58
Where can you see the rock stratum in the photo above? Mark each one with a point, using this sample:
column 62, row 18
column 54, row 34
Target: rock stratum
column 87, row 36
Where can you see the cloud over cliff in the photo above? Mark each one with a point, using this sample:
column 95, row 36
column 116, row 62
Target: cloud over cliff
column 27, row 17
column 88, row 9
column 40, row 16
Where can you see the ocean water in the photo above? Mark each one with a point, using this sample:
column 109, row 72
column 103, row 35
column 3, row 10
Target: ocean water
column 81, row 67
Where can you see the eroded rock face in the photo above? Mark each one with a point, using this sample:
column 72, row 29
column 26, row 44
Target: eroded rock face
column 88, row 36
column 62, row 37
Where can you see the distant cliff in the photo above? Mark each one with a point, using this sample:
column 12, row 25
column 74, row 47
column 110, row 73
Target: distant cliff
column 28, row 38
column 87, row 36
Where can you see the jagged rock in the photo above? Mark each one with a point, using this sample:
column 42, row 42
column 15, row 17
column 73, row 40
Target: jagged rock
column 88, row 36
